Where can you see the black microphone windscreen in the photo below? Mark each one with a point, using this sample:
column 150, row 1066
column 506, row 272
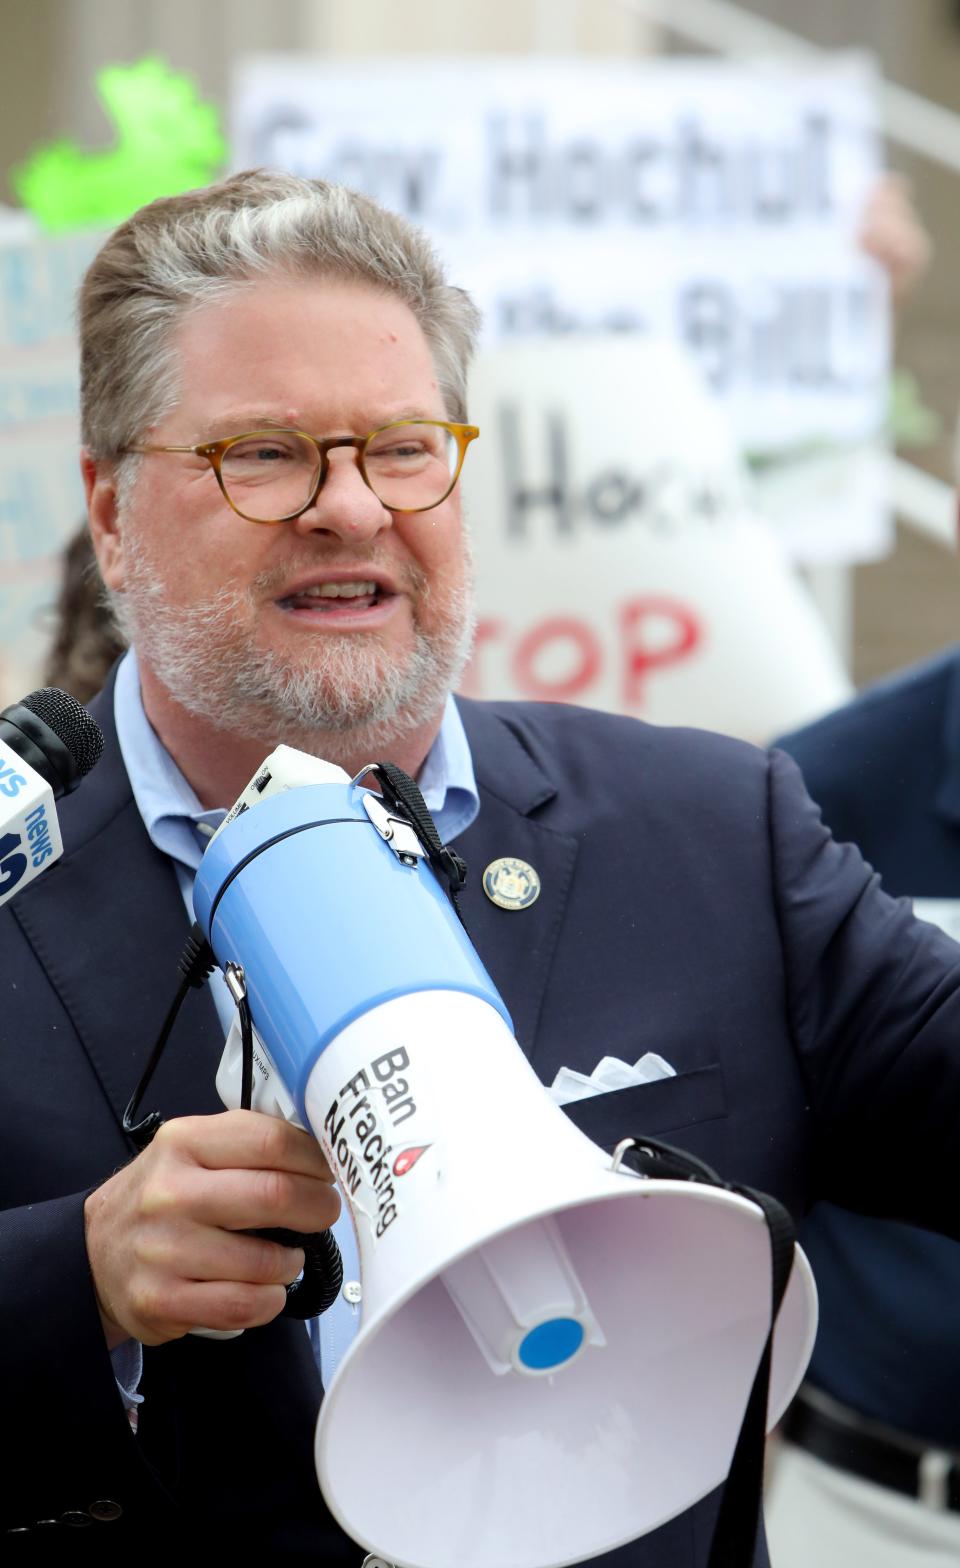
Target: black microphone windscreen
column 71, row 723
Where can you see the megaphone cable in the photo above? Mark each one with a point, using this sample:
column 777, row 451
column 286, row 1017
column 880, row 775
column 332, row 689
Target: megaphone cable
column 318, row 1286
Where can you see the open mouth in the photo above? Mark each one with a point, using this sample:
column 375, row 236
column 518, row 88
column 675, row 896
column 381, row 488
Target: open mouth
column 337, row 598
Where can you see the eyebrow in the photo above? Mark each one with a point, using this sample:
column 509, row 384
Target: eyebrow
column 240, row 422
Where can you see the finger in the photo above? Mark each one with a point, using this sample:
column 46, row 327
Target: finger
column 170, row 1311
column 209, row 1254
column 245, row 1139
column 239, row 1200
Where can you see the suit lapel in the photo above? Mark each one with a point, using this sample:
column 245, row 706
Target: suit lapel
column 108, row 923
column 517, row 946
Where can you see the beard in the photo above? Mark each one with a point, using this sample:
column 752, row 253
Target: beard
column 351, row 689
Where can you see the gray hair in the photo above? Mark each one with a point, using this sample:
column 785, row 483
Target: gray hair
column 185, row 251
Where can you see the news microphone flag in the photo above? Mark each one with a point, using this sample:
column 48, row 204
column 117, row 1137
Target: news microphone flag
column 48, row 742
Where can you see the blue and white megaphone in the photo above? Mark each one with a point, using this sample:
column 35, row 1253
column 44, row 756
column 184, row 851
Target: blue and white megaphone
column 554, row 1354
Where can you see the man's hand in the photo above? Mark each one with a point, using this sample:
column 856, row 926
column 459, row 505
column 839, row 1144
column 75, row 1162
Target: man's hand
column 164, row 1234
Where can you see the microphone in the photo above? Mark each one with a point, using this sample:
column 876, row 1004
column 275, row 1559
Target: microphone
column 48, row 742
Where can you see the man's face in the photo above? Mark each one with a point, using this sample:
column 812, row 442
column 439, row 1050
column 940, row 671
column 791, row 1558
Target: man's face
column 227, row 613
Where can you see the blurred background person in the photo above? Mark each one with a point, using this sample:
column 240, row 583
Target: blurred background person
column 85, row 641
column 894, row 234
column 869, row 1469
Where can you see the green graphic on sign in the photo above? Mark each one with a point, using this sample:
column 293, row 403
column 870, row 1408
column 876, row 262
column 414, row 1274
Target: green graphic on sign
column 166, row 141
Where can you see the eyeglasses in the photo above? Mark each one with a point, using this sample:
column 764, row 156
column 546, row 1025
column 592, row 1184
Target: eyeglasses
column 272, row 476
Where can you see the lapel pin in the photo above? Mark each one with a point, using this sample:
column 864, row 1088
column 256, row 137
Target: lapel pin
column 511, row 884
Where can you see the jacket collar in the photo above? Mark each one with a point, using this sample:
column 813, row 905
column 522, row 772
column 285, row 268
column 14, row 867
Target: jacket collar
column 502, row 764
column 515, row 821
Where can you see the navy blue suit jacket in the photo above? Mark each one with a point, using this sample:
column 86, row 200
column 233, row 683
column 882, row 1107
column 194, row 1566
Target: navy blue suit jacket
column 692, row 904
column 886, row 772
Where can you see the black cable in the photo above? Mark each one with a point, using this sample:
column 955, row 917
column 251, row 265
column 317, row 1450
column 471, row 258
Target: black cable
column 246, row 1053
column 196, row 963
column 319, row 1284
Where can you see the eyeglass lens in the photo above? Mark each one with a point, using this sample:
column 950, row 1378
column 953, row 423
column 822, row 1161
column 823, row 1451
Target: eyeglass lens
column 272, row 475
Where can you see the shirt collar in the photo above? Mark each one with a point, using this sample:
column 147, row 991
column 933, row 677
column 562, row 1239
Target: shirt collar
column 177, row 823
column 447, row 781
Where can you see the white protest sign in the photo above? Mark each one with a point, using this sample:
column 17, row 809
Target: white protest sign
column 41, row 497
column 713, row 203
column 618, row 562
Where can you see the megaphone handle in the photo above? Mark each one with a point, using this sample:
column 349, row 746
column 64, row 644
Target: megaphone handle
column 319, row 1285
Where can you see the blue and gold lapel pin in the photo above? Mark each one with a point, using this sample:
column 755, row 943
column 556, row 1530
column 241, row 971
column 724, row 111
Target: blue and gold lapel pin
column 511, row 884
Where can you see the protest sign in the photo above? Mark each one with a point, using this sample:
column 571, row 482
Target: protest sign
column 618, row 561
column 714, row 204
column 41, row 498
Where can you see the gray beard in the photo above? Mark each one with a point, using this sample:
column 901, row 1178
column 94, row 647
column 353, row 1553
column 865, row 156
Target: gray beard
column 358, row 695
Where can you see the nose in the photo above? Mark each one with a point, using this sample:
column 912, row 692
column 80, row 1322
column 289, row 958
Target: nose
column 345, row 505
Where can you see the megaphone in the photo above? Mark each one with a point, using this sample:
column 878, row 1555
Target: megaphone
column 554, row 1354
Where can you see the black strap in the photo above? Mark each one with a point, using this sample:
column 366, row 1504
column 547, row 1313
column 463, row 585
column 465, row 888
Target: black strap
column 735, row 1534
column 402, row 792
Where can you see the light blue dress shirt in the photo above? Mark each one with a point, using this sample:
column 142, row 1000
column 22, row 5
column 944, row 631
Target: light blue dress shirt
column 179, row 827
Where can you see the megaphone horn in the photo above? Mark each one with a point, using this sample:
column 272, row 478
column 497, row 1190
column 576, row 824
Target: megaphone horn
column 555, row 1353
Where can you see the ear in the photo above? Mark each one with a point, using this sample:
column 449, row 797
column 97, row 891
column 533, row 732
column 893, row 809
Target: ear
column 100, row 488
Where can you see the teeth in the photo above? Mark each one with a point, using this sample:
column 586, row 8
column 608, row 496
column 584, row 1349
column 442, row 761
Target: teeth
column 356, row 590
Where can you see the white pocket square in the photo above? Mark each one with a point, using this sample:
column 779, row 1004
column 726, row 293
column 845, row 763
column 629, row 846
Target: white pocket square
column 609, row 1073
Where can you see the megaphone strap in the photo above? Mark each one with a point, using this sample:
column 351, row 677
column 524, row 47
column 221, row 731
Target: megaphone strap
column 402, row 792
column 650, row 1157
column 735, row 1533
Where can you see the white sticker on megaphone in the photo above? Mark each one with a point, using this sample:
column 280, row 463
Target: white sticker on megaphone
column 285, row 768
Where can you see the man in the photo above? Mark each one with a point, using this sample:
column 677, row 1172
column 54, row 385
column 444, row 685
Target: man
column 273, row 397
column 870, row 1470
